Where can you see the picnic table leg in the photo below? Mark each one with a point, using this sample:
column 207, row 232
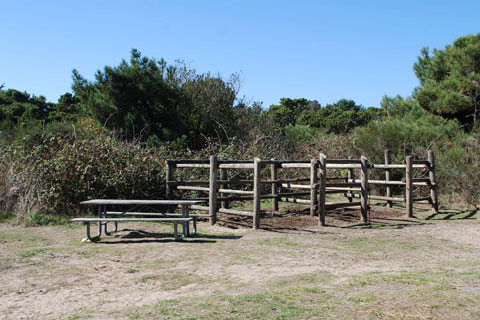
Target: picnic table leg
column 194, row 226
column 104, row 215
column 175, row 231
column 194, row 222
column 97, row 236
column 105, row 229
column 186, row 225
column 87, row 232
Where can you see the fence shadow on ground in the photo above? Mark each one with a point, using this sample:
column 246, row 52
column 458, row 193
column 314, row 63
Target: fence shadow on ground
column 377, row 223
column 453, row 215
column 380, row 217
column 279, row 223
column 302, row 222
column 126, row 236
column 292, row 230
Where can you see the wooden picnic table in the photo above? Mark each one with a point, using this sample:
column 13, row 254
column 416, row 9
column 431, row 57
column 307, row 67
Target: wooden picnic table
column 104, row 216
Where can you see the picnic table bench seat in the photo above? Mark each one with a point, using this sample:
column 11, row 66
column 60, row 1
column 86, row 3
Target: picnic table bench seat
column 100, row 221
column 157, row 214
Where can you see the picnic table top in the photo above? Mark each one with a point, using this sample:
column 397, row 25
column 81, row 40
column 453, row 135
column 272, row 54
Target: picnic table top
column 170, row 219
column 139, row 202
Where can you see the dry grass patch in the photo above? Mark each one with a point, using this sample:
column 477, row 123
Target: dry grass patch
column 421, row 270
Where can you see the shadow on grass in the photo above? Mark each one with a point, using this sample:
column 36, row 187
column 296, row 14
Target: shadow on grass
column 292, row 230
column 381, row 224
column 302, row 222
column 350, row 219
column 378, row 225
column 277, row 223
column 140, row 236
column 453, row 215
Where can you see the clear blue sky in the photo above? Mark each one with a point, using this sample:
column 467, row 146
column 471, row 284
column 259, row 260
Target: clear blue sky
column 323, row 50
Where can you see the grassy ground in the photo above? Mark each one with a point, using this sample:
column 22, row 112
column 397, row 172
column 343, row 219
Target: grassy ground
column 426, row 268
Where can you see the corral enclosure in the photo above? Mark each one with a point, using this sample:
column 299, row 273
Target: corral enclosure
column 274, row 179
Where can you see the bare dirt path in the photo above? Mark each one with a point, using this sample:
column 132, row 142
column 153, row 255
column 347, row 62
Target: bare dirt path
column 393, row 268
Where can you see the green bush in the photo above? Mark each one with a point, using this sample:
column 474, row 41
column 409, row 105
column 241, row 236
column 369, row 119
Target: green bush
column 457, row 153
column 56, row 173
column 299, row 135
column 458, row 169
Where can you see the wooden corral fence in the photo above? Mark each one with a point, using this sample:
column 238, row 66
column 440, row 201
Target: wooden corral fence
column 326, row 176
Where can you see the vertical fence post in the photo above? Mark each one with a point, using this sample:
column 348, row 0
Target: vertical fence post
column 350, row 177
column 169, row 167
column 313, row 186
column 169, row 177
column 364, row 189
column 433, row 181
column 409, row 187
column 224, row 176
column 322, row 188
column 388, row 176
column 257, row 188
column 212, row 194
column 274, row 177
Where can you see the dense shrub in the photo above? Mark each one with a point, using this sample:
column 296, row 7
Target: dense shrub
column 457, row 153
column 54, row 175
column 458, row 169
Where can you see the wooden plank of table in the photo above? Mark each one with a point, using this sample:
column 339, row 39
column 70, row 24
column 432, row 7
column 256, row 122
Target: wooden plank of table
column 138, row 202
column 153, row 214
column 131, row 219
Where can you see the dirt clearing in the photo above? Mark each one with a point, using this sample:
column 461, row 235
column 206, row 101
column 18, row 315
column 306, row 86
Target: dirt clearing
column 424, row 268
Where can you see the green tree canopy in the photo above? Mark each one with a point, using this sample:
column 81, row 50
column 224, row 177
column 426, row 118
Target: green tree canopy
column 397, row 106
column 339, row 117
column 20, row 108
column 211, row 101
column 288, row 111
column 450, row 80
column 138, row 98
column 146, row 98
column 67, row 108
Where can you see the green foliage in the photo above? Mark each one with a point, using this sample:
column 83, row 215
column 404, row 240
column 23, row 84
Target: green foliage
column 287, row 112
column 256, row 133
column 397, row 106
column 450, row 80
column 299, row 135
column 458, row 174
column 19, row 109
column 211, row 102
column 137, row 98
column 414, row 133
column 340, row 117
column 146, row 98
column 458, row 154
column 35, row 219
column 6, row 215
column 56, row 173
column 67, row 108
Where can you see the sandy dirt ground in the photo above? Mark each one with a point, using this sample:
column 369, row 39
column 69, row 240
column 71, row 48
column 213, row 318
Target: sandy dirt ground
column 388, row 269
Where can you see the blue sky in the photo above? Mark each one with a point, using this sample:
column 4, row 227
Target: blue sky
column 323, row 50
